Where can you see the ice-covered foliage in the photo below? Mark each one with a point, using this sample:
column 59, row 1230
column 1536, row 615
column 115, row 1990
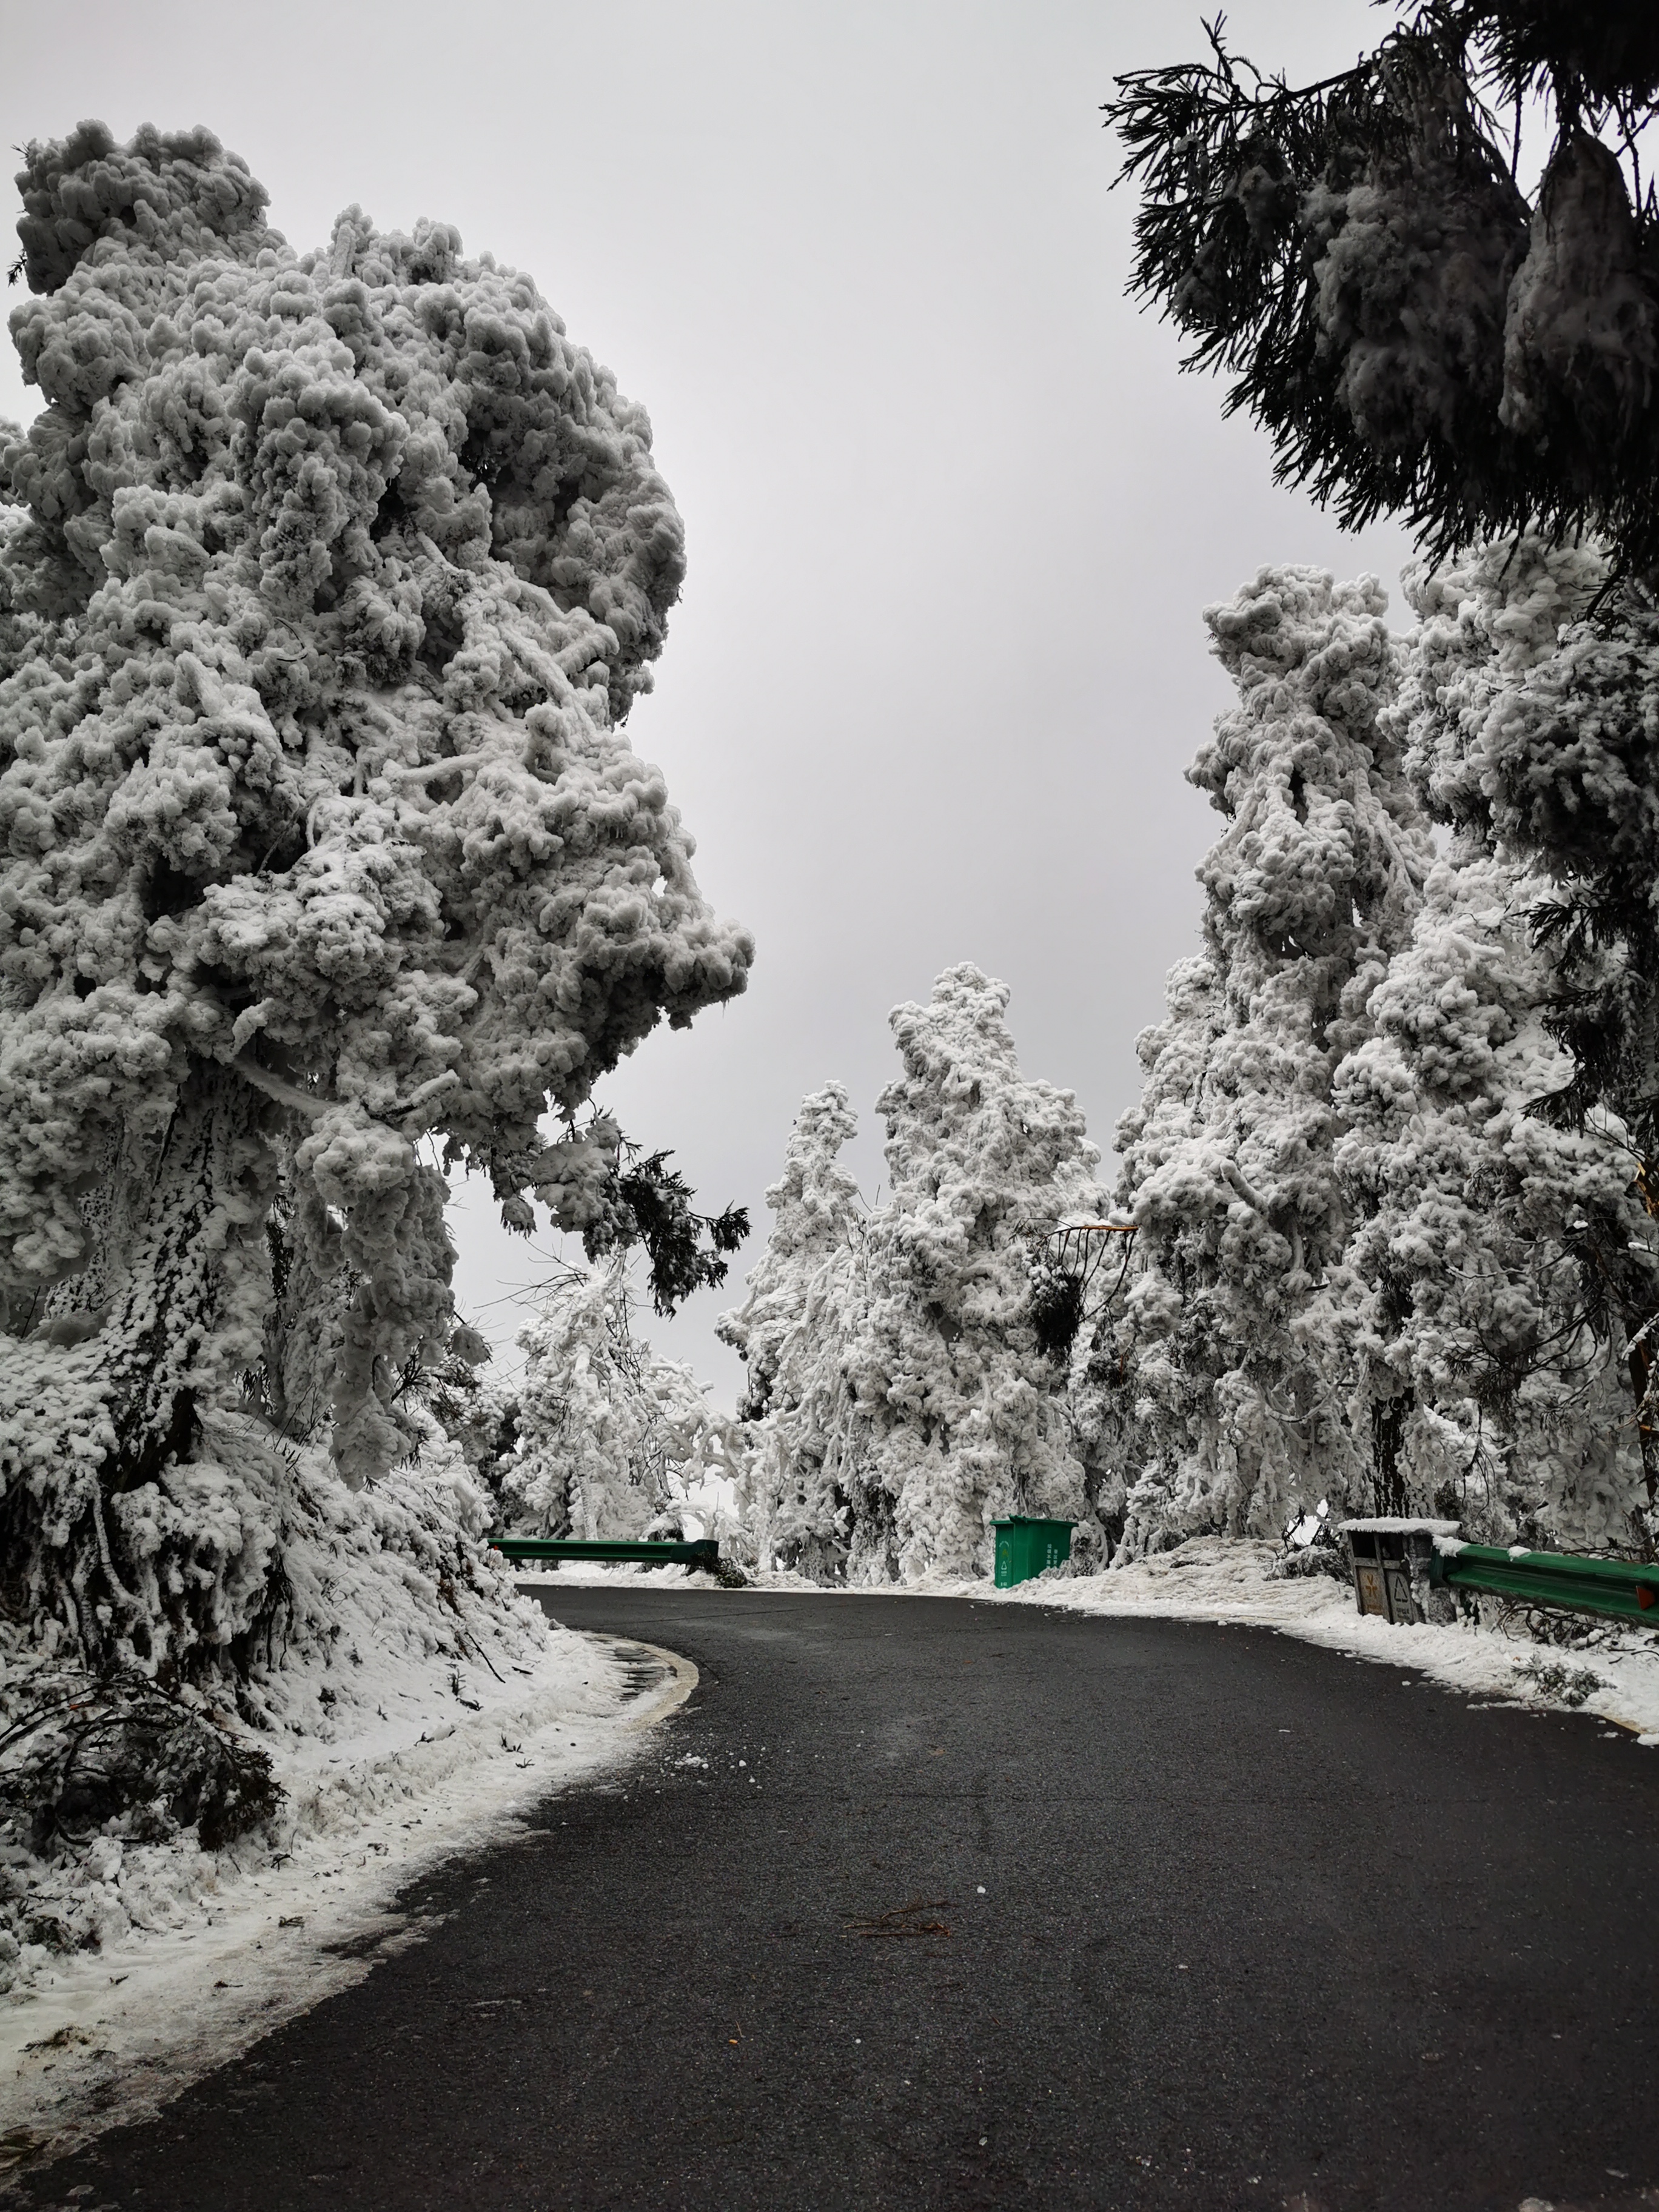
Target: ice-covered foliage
column 909, row 1398
column 612, row 1440
column 815, row 1203
column 1579, row 350
column 1357, row 254
column 1411, row 266
column 805, row 1293
column 1498, row 1265
column 325, row 581
column 1536, row 722
column 478, row 1414
column 1211, row 1376
column 1395, row 1243
column 119, row 1782
column 1526, row 1015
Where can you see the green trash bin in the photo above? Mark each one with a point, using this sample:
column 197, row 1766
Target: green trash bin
column 1026, row 1545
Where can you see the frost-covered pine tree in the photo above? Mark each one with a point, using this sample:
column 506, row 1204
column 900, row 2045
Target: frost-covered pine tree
column 1214, row 1362
column 1357, row 255
column 1479, row 1333
column 1504, row 1263
column 920, row 1402
column 804, row 1294
column 326, row 583
column 612, row 1441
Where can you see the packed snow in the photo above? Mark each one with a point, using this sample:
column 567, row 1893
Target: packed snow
column 194, row 1954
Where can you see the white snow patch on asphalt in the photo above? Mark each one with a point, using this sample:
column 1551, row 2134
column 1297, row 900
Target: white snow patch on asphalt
column 244, row 1939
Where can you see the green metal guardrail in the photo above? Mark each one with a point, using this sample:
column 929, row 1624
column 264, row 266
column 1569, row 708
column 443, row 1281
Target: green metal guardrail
column 700, row 1552
column 1618, row 1587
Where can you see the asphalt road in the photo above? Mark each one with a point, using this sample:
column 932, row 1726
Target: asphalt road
column 922, row 1903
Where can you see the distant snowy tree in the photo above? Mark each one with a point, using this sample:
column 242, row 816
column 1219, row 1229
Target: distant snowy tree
column 805, row 1293
column 612, row 1441
column 1215, row 1360
column 325, row 582
column 919, row 1401
column 816, row 1201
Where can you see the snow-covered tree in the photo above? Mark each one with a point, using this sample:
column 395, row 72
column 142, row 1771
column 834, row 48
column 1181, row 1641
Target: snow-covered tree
column 804, row 1294
column 1419, row 339
column 1394, row 1247
column 1501, row 1118
column 1214, row 1362
column 1498, row 1265
column 815, row 1202
column 612, row 1441
column 911, row 1399
column 325, row 581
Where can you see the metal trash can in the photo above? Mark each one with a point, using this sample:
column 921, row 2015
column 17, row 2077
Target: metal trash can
column 1390, row 1559
column 1026, row 1545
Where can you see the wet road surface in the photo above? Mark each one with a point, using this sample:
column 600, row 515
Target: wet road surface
column 924, row 1903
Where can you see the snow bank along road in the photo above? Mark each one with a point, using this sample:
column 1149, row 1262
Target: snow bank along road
column 921, row 1902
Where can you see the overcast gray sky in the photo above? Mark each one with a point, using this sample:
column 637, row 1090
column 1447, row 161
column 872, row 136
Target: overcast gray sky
column 951, row 514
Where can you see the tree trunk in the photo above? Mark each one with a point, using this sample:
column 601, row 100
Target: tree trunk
column 105, row 1396
column 190, row 1281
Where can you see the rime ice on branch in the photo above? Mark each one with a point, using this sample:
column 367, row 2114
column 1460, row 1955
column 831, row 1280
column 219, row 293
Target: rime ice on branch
column 326, row 581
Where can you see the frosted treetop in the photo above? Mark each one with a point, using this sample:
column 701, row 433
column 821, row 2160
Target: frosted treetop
column 325, row 581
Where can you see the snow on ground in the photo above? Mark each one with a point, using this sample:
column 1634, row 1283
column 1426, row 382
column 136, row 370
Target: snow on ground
column 1612, row 1674
column 221, row 1948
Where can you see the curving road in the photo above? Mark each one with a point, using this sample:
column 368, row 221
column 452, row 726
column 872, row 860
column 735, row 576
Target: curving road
column 923, row 1903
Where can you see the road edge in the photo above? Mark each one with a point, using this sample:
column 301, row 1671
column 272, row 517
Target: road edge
column 170, row 2031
